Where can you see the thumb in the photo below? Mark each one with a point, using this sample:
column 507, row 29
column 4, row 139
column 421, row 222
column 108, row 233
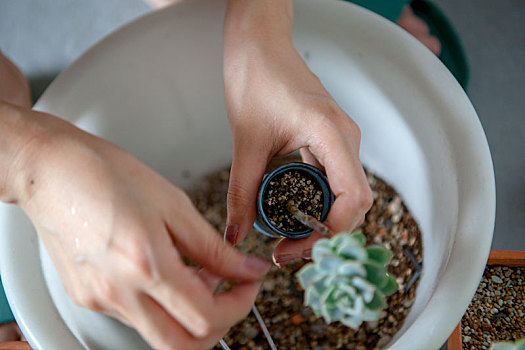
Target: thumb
column 248, row 166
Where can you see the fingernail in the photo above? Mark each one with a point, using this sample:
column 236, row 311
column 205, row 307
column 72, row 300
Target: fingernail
column 307, row 254
column 283, row 259
column 230, row 234
column 256, row 264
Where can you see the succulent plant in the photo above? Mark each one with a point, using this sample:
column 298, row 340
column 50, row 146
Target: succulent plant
column 519, row 345
column 347, row 281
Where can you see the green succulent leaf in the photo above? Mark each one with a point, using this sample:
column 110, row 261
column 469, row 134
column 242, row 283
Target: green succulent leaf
column 309, row 274
column 320, row 250
column 371, row 315
column 351, row 268
column 319, row 286
column 331, row 313
column 357, row 308
column 375, row 273
column 366, row 288
column 391, row 286
column 379, row 254
column 339, row 240
column 311, row 298
column 350, row 250
column 378, row 301
column 352, row 321
column 359, row 237
column 329, row 263
column 348, row 290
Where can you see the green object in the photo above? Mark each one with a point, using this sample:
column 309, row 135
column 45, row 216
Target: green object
column 390, row 9
column 347, row 281
column 452, row 53
column 519, row 345
column 5, row 311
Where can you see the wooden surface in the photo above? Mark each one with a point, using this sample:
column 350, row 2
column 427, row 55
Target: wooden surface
column 454, row 341
column 506, row 258
column 15, row 345
column 496, row 257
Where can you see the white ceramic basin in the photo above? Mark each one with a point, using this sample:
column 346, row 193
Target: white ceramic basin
column 155, row 88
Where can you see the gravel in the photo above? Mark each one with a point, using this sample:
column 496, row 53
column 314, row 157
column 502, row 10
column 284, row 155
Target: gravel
column 497, row 309
column 296, row 186
column 280, row 300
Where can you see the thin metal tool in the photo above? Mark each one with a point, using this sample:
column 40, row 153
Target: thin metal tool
column 224, row 345
column 263, row 327
column 308, row 220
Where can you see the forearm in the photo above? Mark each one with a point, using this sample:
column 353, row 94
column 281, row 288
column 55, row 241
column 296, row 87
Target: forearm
column 267, row 22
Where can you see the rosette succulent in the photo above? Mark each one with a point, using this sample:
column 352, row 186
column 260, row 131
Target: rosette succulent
column 347, row 281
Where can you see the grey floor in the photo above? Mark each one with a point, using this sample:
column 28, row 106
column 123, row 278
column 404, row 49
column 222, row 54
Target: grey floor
column 45, row 36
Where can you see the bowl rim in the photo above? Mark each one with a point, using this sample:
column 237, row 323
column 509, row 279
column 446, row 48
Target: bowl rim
column 479, row 162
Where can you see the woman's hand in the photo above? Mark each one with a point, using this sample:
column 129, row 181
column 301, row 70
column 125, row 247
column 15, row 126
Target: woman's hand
column 116, row 231
column 276, row 105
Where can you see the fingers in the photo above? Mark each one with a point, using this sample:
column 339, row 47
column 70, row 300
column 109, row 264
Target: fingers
column 339, row 153
column 248, row 166
column 162, row 331
column 210, row 280
column 418, row 28
column 200, row 242
column 289, row 249
column 309, row 158
column 233, row 306
column 189, row 300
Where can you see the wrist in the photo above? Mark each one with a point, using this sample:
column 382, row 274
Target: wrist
column 22, row 135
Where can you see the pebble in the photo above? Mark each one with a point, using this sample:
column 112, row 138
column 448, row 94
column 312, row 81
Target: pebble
column 251, row 332
column 297, row 319
column 384, row 341
column 496, row 311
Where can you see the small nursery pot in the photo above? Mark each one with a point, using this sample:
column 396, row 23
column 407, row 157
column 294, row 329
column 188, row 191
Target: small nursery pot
column 263, row 223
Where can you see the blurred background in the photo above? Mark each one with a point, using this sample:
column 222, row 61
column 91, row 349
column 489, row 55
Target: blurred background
column 44, row 36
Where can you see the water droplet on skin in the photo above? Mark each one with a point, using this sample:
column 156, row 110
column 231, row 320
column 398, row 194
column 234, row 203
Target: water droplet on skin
column 85, row 224
column 77, row 243
column 73, row 210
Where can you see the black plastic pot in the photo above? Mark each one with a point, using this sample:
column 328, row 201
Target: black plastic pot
column 262, row 222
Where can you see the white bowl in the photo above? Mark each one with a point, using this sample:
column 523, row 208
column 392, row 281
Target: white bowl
column 155, row 88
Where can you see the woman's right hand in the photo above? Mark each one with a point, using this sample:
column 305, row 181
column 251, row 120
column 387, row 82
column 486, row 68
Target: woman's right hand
column 116, row 231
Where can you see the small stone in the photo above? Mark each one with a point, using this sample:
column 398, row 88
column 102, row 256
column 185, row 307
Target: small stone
column 383, row 342
column 251, row 332
column 496, row 279
column 297, row 319
column 372, row 325
column 361, row 335
column 466, row 339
